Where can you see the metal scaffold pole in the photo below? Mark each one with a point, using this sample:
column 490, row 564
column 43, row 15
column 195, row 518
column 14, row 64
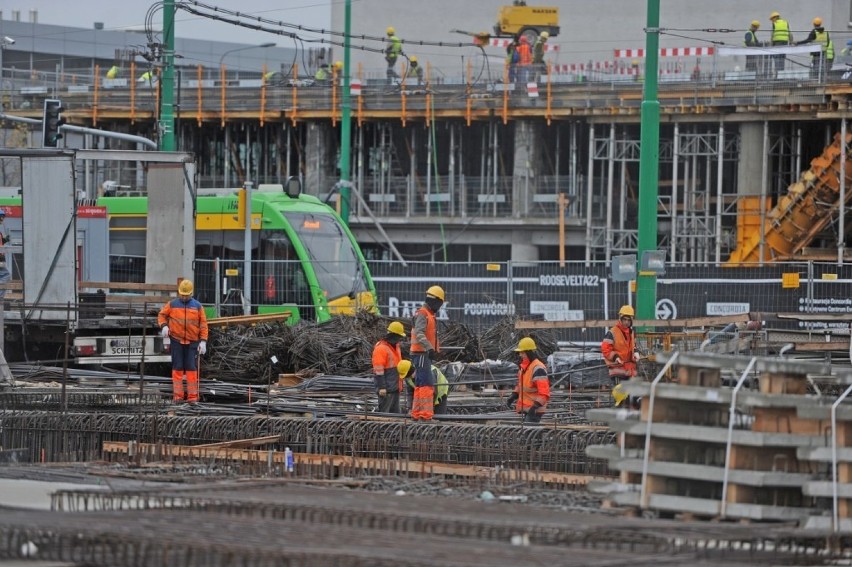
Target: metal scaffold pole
column 649, row 164
column 167, row 106
column 346, row 122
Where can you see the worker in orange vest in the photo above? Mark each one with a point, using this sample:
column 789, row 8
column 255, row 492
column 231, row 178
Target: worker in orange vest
column 532, row 392
column 424, row 350
column 524, row 59
column 183, row 321
column 386, row 356
column 619, row 347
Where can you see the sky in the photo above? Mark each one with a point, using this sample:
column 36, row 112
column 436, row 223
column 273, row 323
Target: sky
column 120, row 14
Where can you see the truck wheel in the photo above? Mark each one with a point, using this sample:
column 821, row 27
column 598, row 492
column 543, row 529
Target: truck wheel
column 531, row 34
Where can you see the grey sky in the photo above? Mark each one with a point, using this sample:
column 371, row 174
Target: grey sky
column 120, row 14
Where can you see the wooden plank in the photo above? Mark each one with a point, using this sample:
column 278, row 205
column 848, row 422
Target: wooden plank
column 665, row 323
column 419, row 467
column 129, row 286
column 139, row 299
column 248, row 319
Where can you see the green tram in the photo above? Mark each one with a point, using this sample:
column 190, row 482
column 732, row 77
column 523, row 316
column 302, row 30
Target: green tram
column 304, row 259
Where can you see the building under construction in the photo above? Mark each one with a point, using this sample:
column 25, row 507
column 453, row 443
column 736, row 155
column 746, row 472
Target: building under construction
column 470, row 167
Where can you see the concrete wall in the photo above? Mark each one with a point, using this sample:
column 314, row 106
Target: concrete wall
column 590, row 30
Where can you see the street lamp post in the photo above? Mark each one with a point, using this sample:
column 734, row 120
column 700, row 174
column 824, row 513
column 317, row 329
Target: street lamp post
column 261, row 46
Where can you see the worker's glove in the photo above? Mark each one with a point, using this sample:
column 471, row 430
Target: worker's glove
column 165, row 331
column 202, row 347
column 383, row 392
column 510, row 401
column 534, row 407
column 636, row 357
column 431, row 354
column 618, row 360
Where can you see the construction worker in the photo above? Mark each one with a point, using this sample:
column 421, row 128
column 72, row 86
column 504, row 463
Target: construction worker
column 619, row 347
column 268, row 76
column 780, row 36
column 392, row 52
column 821, row 61
column 512, row 59
column 147, row 77
column 183, row 322
column 112, row 73
column 414, row 70
column 323, row 75
column 442, row 386
column 538, row 55
column 5, row 274
column 532, row 392
column 386, row 356
column 424, row 350
column 752, row 41
column 524, row 59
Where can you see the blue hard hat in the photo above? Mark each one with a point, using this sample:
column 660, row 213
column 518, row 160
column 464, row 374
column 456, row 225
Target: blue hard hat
column 849, row 42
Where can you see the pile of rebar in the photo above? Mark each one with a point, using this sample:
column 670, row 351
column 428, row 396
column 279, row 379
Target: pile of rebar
column 257, row 354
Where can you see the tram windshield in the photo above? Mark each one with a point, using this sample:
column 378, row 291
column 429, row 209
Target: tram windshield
column 337, row 266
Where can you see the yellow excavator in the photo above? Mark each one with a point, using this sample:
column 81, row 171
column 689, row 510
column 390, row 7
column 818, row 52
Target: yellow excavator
column 519, row 19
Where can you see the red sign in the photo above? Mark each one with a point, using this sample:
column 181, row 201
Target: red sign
column 12, row 211
column 91, row 212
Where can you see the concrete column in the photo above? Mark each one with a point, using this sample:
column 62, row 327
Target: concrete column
column 320, row 172
column 523, row 250
column 750, row 167
column 526, row 166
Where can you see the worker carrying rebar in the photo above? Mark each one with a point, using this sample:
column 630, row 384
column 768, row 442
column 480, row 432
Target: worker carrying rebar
column 183, row 321
column 442, row 386
column 424, row 351
column 822, row 60
column 532, row 391
column 752, row 41
column 386, row 356
column 392, row 52
column 619, row 347
column 781, row 35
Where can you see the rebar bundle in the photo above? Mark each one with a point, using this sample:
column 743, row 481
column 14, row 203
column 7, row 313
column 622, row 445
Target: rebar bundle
column 257, row 354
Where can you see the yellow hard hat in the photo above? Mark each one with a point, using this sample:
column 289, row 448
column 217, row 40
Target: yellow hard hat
column 544, row 35
column 526, row 344
column 338, row 64
column 185, row 287
column 634, row 62
column 626, row 311
column 619, row 394
column 390, row 30
column 404, row 367
column 413, row 59
column 817, row 21
column 774, row 15
column 396, row 328
column 436, row 291
column 755, row 24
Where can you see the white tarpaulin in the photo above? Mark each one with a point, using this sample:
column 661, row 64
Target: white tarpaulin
column 778, row 50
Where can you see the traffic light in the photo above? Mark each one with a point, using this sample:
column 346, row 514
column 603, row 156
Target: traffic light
column 51, row 122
